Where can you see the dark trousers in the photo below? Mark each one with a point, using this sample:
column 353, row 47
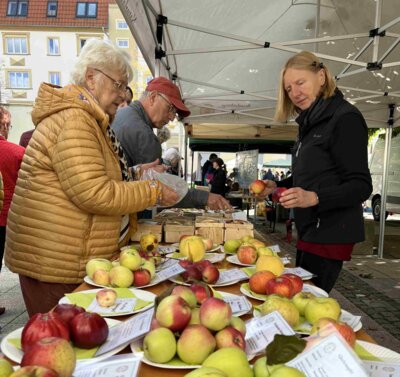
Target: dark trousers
column 327, row 270
column 2, row 243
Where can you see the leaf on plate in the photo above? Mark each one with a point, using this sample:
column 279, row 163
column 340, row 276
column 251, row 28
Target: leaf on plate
column 284, row 348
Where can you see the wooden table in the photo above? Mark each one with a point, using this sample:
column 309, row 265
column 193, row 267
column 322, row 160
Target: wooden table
column 149, row 371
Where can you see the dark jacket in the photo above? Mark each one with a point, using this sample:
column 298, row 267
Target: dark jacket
column 218, row 183
column 330, row 158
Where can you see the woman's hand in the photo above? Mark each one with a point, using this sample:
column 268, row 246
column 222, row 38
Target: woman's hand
column 216, row 201
column 296, row 197
column 269, row 187
column 168, row 196
column 159, row 168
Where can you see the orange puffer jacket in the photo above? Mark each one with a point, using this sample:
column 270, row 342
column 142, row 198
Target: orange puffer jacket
column 70, row 197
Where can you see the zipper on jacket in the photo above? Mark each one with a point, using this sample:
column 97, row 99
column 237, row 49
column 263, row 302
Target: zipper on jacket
column 318, row 221
column 298, row 150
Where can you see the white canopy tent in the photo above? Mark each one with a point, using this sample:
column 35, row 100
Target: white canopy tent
column 226, row 56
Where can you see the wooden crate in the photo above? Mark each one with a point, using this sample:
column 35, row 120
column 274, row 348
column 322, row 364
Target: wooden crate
column 146, row 227
column 210, row 227
column 238, row 229
column 175, row 228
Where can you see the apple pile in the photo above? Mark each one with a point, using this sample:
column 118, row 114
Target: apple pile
column 199, row 271
column 191, row 324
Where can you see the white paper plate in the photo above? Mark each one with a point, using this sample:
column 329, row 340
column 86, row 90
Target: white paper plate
column 140, row 294
column 385, row 354
column 16, row 354
column 153, row 282
column 234, row 260
column 215, row 247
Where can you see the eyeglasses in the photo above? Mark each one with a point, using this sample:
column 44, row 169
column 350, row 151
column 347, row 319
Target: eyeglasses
column 171, row 108
column 118, row 84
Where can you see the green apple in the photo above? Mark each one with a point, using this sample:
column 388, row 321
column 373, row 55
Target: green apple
column 322, row 307
column 195, row 318
column 238, row 324
column 301, row 300
column 231, row 246
column 96, row 264
column 265, row 251
column 121, row 277
column 261, row 369
column 285, row 371
column 131, row 259
column 149, row 266
column 230, row 360
column 195, row 344
column 284, row 306
column 5, row 368
column 206, row 372
column 159, row 345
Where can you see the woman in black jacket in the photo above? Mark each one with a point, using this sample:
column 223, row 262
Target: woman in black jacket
column 218, row 182
column 330, row 176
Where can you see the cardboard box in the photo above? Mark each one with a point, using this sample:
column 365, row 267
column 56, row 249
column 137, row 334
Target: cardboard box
column 148, row 226
column 174, row 228
column 235, row 229
column 210, row 227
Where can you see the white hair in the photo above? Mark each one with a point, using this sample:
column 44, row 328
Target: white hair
column 163, row 134
column 102, row 55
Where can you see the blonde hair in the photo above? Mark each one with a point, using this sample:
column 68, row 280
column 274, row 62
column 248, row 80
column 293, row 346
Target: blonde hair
column 304, row 60
column 103, row 55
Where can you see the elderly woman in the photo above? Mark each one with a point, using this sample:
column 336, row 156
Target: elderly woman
column 74, row 195
column 330, row 177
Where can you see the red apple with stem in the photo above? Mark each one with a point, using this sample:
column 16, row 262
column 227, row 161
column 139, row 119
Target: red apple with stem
column 277, row 193
column 296, row 280
column 230, row 337
column 280, row 286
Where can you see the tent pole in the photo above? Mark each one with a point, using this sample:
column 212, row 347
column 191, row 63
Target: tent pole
column 378, row 17
column 186, row 147
column 317, row 19
column 191, row 170
column 386, row 158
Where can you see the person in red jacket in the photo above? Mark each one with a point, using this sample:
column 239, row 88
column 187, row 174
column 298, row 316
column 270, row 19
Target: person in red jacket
column 10, row 162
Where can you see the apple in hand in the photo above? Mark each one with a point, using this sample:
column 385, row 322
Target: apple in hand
column 106, row 297
column 280, row 286
column 53, row 353
column 215, row 314
column 159, row 345
column 195, row 344
column 230, row 337
column 258, row 281
column 247, row 254
column 257, row 187
column 33, row 371
column 89, row 330
column 301, row 300
column 186, row 293
column 326, row 326
column 210, row 274
column 173, row 312
column 277, row 193
column 322, row 307
column 202, row 292
column 297, row 282
column 141, row 278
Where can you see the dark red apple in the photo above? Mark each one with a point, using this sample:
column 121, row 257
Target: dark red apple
column 68, row 311
column 141, row 277
column 210, row 274
column 277, row 193
column 280, row 286
column 202, row 264
column 88, row 330
column 185, row 263
column 296, row 280
column 191, row 274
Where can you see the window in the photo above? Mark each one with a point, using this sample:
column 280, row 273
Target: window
column 86, row 10
column 53, row 46
column 55, row 78
column 52, row 8
column 123, row 43
column 121, row 25
column 82, row 38
column 16, row 45
column 17, row 8
column 19, row 80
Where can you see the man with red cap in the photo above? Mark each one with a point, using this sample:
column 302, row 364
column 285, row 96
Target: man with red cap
column 134, row 127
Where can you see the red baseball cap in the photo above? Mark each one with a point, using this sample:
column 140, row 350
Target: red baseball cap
column 171, row 91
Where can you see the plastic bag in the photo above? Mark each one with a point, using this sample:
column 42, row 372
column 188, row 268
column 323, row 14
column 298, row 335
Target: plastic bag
column 172, row 181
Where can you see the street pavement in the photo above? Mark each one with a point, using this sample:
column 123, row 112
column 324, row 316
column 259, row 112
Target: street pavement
column 367, row 286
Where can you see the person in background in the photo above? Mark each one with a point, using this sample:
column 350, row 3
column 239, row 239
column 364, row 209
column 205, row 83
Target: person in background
column 75, row 199
column 25, row 137
column 10, row 163
column 330, row 178
column 207, row 171
column 163, row 134
column 277, row 177
column 282, row 176
column 172, row 159
column 268, row 175
column 218, row 182
column 128, row 98
column 134, row 126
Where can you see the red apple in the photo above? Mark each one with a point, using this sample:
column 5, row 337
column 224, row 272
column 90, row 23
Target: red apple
column 257, row 187
column 186, row 293
column 53, row 353
column 258, row 281
column 215, row 314
column 34, row 371
column 325, row 327
column 280, row 286
column 296, row 280
column 68, row 311
column 202, row 264
column 43, row 325
column 210, row 274
column 89, row 330
column 191, row 274
column 230, row 337
column 141, row 277
column 247, row 254
column 173, row 312
column 202, row 292
column 277, row 193
column 106, row 297
column 185, row 263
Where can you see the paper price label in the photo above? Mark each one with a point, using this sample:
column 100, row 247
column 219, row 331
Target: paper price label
column 329, row 358
column 260, row 331
column 122, row 305
column 215, row 258
column 172, row 270
column 238, row 304
column 275, row 248
column 234, row 274
column 240, row 215
column 304, row 274
column 350, row 319
column 125, row 332
column 114, row 366
column 382, row 369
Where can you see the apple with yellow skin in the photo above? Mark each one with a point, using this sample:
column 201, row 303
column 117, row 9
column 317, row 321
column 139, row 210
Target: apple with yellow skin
column 106, row 297
column 149, row 242
column 284, row 306
column 245, row 239
column 159, row 345
column 173, row 312
column 192, row 248
column 33, row 371
column 195, row 344
column 101, row 277
column 257, row 186
column 96, row 264
column 326, row 326
column 149, row 266
column 121, row 277
column 301, row 300
column 215, row 314
column 208, row 244
column 5, row 368
column 195, row 318
column 322, row 307
column 238, row 324
column 265, row 251
column 270, row 263
column 247, row 254
column 131, row 259
column 206, row 372
column 231, row 246
column 186, row 293
column 256, row 243
column 262, row 369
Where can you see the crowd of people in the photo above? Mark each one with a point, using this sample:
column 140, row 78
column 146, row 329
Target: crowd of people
column 75, row 191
